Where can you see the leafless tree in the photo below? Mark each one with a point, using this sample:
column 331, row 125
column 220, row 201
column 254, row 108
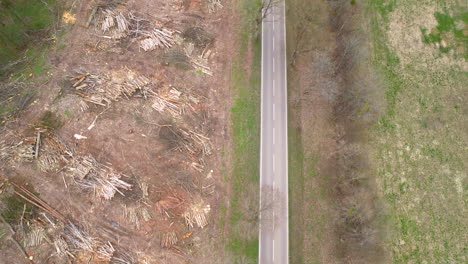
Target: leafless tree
column 262, row 10
column 268, row 208
column 305, row 22
column 265, row 9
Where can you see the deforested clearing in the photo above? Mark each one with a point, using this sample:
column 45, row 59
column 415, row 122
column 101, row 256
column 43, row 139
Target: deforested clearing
column 113, row 119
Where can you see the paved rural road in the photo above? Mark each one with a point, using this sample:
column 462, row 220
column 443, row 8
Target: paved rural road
column 273, row 240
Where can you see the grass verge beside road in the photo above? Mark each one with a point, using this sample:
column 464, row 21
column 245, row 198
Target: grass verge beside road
column 242, row 240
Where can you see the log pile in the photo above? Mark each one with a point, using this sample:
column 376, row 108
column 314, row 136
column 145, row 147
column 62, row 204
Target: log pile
column 70, row 239
column 168, row 100
column 35, row 236
column 198, row 62
column 78, row 239
column 157, row 38
column 105, row 252
column 114, row 23
column 168, row 239
column 196, row 214
column 104, row 89
column 24, row 151
column 214, row 5
column 164, row 205
column 137, row 214
column 117, row 26
column 103, row 180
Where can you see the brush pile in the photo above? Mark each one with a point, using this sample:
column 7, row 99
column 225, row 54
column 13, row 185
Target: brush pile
column 117, row 26
column 103, row 180
column 104, row 89
column 53, row 153
column 186, row 140
column 198, row 62
column 195, row 143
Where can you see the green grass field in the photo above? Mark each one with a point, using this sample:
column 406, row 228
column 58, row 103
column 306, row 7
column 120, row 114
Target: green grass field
column 420, row 143
column 22, row 22
column 26, row 31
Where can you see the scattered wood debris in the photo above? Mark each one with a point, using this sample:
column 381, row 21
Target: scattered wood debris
column 208, row 185
column 36, row 201
column 196, row 214
column 103, row 180
column 79, row 137
column 13, row 240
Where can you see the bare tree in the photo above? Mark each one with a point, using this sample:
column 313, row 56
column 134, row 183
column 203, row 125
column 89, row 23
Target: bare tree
column 268, row 208
column 305, row 22
column 265, row 9
column 261, row 11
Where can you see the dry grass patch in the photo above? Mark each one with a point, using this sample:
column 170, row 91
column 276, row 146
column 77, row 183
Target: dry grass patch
column 420, row 143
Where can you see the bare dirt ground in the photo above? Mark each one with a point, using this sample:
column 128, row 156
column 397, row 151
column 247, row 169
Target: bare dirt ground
column 171, row 175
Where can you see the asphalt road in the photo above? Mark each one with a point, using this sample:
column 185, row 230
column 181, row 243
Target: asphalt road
column 273, row 238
